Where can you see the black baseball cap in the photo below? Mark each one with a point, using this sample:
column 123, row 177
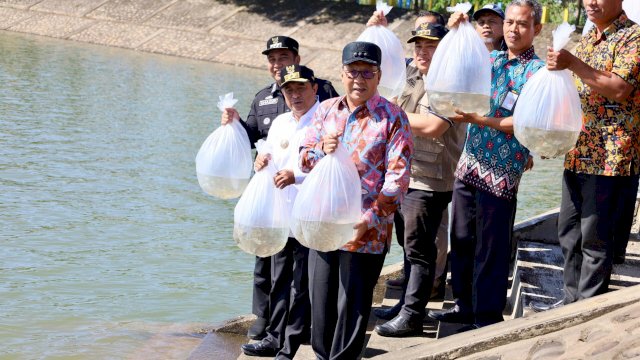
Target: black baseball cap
column 361, row 51
column 489, row 8
column 281, row 42
column 296, row 73
column 428, row 31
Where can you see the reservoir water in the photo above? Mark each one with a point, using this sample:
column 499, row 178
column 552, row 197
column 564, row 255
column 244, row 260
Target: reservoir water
column 109, row 249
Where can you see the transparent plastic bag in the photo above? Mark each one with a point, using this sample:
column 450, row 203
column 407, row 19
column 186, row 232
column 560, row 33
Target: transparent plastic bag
column 224, row 162
column 459, row 76
column 261, row 217
column 632, row 9
column 548, row 116
column 393, row 65
column 328, row 204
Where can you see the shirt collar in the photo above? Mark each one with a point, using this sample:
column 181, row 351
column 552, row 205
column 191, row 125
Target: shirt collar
column 275, row 88
column 616, row 25
column 306, row 118
column 524, row 57
column 369, row 104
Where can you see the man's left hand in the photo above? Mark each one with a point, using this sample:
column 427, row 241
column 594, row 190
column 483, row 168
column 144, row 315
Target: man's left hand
column 462, row 116
column 360, row 228
column 559, row 60
column 284, row 178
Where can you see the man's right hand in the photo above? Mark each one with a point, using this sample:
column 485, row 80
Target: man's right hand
column 229, row 115
column 330, row 143
column 377, row 18
column 261, row 161
column 455, row 19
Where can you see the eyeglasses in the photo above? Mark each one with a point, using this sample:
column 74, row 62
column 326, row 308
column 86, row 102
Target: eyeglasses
column 366, row 74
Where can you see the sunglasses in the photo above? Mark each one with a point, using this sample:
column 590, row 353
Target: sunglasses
column 366, row 74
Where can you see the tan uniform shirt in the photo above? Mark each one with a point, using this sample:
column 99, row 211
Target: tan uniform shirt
column 434, row 159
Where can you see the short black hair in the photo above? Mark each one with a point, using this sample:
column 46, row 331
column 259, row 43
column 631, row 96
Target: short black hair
column 440, row 18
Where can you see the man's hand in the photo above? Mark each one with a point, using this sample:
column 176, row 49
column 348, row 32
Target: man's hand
column 377, row 18
column 330, row 143
column 229, row 115
column 284, row 178
column 360, row 228
column 462, row 116
column 529, row 164
column 262, row 160
column 559, row 60
column 455, row 19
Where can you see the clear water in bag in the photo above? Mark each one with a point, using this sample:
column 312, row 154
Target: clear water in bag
column 222, row 187
column 322, row 235
column 444, row 103
column 549, row 143
column 261, row 241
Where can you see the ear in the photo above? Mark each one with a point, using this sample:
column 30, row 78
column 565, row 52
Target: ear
column 537, row 29
column 296, row 60
column 315, row 88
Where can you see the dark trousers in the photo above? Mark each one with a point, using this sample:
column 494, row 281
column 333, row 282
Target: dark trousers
column 626, row 207
column 341, row 287
column 422, row 213
column 398, row 223
column 481, row 229
column 290, row 320
column 261, row 287
column 586, row 225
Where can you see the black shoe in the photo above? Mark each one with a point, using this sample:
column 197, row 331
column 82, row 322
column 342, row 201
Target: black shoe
column 399, row 327
column 452, row 315
column 261, row 348
column 618, row 259
column 388, row 313
column 258, row 330
column 540, row 307
column 395, row 283
column 468, row 328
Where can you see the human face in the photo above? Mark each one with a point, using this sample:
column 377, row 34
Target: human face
column 278, row 59
column 603, row 12
column 359, row 90
column 519, row 29
column 489, row 27
column 300, row 97
column 423, row 52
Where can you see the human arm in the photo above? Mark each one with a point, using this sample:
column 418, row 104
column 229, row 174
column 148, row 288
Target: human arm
column 504, row 124
column 428, row 125
column 609, row 84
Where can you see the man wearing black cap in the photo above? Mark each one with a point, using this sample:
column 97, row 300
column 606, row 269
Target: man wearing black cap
column 268, row 103
column 489, row 20
column 437, row 145
column 290, row 320
column 376, row 133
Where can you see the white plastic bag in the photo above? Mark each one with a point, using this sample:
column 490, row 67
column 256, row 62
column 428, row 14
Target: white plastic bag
column 548, row 116
column 261, row 217
column 459, row 76
column 329, row 203
column 632, row 9
column 224, row 163
column 393, row 65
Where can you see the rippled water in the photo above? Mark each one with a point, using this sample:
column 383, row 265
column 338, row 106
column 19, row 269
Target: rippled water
column 109, row 248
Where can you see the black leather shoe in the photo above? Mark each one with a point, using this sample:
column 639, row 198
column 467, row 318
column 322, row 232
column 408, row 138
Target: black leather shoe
column 399, row 327
column 468, row 328
column 395, row 283
column 452, row 315
column 261, row 348
column 388, row 313
column 258, row 330
column 540, row 307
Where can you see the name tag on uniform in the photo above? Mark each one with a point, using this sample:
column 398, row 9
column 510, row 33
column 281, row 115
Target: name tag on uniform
column 268, row 102
column 509, row 101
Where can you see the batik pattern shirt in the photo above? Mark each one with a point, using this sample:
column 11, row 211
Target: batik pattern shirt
column 609, row 143
column 492, row 160
column 378, row 137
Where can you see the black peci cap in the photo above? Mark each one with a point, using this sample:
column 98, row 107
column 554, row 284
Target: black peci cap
column 296, row 73
column 428, row 31
column 489, row 9
column 361, row 51
column 281, row 42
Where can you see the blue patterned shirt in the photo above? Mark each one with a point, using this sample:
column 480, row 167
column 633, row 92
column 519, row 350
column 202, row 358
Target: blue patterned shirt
column 493, row 161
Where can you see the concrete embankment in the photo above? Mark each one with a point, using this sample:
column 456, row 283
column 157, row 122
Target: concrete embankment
column 223, row 31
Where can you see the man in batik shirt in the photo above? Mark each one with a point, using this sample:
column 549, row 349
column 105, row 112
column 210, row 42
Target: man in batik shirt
column 377, row 135
column 487, row 179
column 605, row 163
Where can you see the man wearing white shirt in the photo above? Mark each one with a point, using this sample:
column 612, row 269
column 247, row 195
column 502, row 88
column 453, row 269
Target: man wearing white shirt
column 289, row 323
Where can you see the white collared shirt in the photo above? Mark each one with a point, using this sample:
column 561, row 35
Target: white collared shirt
column 285, row 136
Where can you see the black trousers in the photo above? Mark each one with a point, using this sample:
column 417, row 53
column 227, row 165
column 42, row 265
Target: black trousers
column 290, row 320
column 626, row 207
column 341, row 287
column 422, row 213
column 261, row 287
column 586, row 225
column 481, row 229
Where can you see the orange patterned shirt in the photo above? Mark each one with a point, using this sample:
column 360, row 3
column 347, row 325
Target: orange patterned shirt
column 609, row 143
